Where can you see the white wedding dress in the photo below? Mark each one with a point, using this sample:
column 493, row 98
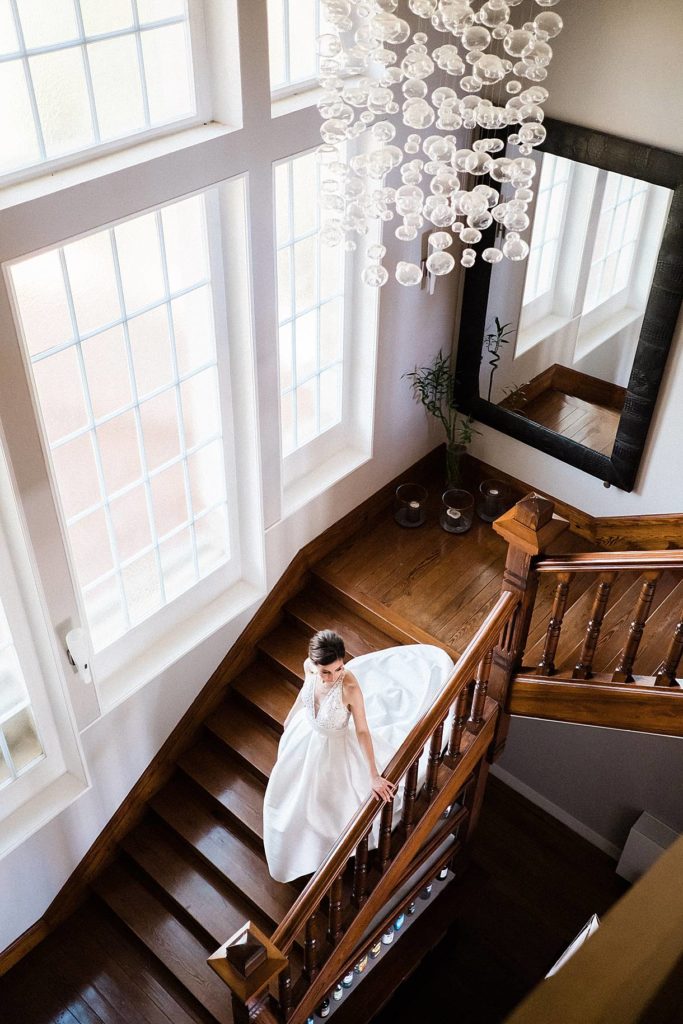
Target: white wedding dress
column 321, row 777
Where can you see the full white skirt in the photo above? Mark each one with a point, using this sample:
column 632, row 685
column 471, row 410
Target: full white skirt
column 321, row 777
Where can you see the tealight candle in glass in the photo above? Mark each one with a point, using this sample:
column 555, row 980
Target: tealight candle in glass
column 457, row 511
column 495, row 497
column 410, row 508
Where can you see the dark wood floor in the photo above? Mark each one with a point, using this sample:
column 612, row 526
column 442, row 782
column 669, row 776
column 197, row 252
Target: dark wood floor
column 585, row 422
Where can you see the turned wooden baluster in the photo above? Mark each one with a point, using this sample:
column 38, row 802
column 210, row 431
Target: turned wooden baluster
column 584, row 667
column 409, row 794
column 666, row 673
column 476, row 719
column 285, row 992
column 434, row 762
column 359, row 893
column 546, row 665
column 334, row 927
column 623, row 671
column 311, row 948
column 384, row 846
column 453, row 754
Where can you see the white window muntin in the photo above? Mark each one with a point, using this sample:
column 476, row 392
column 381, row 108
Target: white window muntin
column 550, row 211
column 188, row 18
column 223, row 575
column 333, row 304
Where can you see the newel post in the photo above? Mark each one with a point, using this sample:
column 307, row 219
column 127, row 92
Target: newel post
column 528, row 528
column 247, row 963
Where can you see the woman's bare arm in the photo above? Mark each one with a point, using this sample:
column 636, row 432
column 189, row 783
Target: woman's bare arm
column 353, row 695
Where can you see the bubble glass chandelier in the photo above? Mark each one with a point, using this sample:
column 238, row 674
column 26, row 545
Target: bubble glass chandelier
column 484, row 76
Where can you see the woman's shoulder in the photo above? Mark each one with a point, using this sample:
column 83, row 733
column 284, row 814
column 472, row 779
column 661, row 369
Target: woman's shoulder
column 351, row 684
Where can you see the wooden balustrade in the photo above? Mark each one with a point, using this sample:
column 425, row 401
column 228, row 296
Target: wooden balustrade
column 409, row 795
column 435, row 756
column 334, row 927
column 384, row 845
column 453, row 753
column 359, row 893
column 476, row 719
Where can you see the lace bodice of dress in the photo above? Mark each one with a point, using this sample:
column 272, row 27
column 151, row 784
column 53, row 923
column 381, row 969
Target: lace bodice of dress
column 332, row 714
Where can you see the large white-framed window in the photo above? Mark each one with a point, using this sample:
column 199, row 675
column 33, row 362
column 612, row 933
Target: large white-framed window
column 85, row 76
column 545, row 244
column 327, row 336
column 120, row 333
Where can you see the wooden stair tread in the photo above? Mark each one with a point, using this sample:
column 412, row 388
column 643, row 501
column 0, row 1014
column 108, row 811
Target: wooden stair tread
column 249, row 738
column 187, row 881
column 238, row 792
column 270, row 692
column 170, row 942
column 213, row 840
column 371, row 610
column 286, row 647
column 316, row 610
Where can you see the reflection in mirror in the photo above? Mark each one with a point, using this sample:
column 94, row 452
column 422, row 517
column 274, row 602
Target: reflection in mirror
column 562, row 328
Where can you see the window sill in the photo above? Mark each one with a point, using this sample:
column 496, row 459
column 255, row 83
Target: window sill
column 308, row 96
column 39, row 810
column 168, row 649
column 89, row 168
column 300, row 492
column 593, row 337
column 535, row 334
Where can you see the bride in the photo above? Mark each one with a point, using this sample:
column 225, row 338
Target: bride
column 345, row 722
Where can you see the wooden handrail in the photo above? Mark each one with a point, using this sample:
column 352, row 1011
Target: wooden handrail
column 616, row 561
column 336, row 860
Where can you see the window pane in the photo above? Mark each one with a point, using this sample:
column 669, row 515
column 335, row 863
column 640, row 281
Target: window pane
column 131, row 523
column 106, row 367
column 330, row 397
column 159, row 418
column 286, row 369
column 306, row 412
column 177, row 563
column 76, row 472
column 293, row 26
column 41, row 296
column 150, row 344
column 90, row 266
column 212, row 540
column 282, row 204
column 21, row 737
column 276, row 44
column 305, row 254
column 166, row 55
column 91, row 548
column 305, row 184
column 117, row 86
column 306, row 328
column 17, row 130
column 142, row 277
column 157, row 10
column 101, row 17
column 185, row 241
column 58, row 382
column 331, row 315
column 62, row 97
column 127, row 484
column 8, row 35
column 46, row 23
column 194, row 330
column 12, row 688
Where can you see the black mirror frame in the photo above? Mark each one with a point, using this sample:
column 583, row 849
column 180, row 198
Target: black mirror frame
column 661, row 314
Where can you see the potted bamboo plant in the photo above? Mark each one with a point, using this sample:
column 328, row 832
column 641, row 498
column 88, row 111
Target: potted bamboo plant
column 433, row 386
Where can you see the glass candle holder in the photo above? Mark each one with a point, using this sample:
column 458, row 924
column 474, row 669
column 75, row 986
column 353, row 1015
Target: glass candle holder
column 457, row 511
column 495, row 497
column 410, row 507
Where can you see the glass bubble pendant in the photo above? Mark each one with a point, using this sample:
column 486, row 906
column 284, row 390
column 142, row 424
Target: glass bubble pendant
column 408, row 274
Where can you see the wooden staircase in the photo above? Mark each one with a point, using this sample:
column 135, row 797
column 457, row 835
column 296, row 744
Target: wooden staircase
column 193, row 870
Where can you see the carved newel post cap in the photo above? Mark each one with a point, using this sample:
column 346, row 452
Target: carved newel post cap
column 245, row 953
column 530, row 524
column 247, row 962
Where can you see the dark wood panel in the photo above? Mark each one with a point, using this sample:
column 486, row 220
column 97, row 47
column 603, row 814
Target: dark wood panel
column 252, row 742
column 236, row 792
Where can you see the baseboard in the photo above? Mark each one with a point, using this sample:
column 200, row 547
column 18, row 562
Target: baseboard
column 555, row 811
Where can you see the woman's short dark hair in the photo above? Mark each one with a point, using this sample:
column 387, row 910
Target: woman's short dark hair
column 325, row 647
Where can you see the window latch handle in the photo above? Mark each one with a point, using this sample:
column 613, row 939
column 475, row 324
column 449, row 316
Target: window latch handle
column 78, row 653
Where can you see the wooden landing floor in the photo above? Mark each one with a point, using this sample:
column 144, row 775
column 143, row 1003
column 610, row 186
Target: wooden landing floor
column 585, row 422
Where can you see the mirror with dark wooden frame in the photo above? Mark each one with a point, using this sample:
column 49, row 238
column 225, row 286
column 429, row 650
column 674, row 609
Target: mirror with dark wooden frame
column 590, row 314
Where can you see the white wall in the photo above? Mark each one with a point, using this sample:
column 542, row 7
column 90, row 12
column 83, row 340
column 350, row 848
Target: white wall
column 604, row 76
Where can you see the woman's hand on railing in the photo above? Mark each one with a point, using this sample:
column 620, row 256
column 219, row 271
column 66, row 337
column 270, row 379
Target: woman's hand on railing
column 383, row 789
